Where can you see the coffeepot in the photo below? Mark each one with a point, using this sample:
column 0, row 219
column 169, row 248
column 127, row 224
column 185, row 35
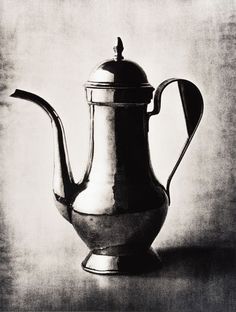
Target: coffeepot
column 119, row 206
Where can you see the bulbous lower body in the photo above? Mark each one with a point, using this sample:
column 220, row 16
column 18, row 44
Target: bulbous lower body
column 120, row 243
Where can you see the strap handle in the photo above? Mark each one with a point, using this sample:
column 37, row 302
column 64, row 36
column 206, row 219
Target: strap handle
column 192, row 102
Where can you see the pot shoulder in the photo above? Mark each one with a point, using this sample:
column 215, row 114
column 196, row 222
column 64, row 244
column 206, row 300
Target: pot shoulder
column 104, row 198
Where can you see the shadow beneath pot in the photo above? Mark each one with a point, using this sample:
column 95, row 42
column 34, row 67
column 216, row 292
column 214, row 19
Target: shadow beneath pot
column 197, row 262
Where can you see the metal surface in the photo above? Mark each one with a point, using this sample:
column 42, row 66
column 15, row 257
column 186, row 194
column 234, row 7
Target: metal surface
column 136, row 263
column 122, row 233
column 118, row 49
column 118, row 82
column 63, row 183
column 119, row 206
column 120, row 176
column 192, row 102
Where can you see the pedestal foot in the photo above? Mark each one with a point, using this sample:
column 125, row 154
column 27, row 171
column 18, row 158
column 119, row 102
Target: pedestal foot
column 128, row 264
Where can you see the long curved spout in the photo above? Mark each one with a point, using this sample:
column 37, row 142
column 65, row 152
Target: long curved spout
column 63, row 183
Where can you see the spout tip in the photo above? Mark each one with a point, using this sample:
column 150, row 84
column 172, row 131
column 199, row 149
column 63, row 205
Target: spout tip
column 14, row 94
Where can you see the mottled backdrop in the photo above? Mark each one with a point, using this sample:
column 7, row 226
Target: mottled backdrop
column 49, row 48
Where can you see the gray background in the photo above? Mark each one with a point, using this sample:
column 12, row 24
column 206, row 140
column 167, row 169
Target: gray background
column 49, row 48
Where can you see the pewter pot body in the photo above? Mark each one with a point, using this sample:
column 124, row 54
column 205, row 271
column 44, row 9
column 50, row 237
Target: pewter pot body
column 119, row 206
column 123, row 206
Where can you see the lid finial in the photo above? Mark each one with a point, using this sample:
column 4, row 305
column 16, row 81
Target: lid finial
column 118, row 50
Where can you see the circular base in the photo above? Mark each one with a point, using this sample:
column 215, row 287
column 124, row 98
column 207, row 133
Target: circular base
column 129, row 264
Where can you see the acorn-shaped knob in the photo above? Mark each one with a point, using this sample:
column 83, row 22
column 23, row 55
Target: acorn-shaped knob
column 118, row 48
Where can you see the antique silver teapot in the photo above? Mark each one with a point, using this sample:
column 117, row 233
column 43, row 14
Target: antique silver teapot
column 119, row 206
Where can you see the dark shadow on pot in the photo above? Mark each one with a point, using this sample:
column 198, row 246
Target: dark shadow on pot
column 196, row 262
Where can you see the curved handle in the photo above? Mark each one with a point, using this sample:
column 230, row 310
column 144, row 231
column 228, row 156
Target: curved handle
column 192, row 102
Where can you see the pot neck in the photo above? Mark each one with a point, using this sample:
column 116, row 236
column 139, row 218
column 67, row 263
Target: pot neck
column 119, row 143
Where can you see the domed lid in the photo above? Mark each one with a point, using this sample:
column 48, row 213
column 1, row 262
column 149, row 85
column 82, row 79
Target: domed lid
column 118, row 73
